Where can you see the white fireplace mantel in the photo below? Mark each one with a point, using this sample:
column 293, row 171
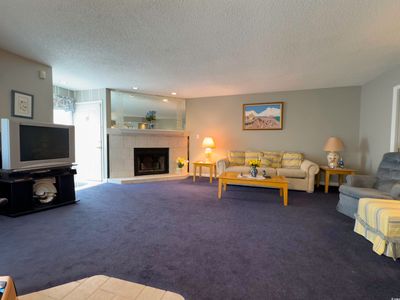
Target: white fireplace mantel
column 131, row 131
column 122, row 141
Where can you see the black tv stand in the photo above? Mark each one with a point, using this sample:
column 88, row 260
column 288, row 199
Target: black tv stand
column 17, row 187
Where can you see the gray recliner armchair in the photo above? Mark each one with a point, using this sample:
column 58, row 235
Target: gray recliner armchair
column 385, row 185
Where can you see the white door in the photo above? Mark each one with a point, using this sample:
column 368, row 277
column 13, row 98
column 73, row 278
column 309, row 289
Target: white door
column 88, row 141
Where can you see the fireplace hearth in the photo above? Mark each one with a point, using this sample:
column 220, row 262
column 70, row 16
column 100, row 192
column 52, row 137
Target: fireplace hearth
column 151, row 161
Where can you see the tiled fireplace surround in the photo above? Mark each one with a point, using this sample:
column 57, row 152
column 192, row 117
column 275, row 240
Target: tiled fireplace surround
column 123, row 141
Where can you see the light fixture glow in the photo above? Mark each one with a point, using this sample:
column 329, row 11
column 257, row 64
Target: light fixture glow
column 165, row 100
column 173, row 93
column 135, row 88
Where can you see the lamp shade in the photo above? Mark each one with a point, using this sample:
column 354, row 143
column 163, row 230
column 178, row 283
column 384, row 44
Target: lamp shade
column 334, row 144
column 208, row 142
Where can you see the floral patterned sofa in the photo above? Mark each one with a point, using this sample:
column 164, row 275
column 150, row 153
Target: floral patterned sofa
column 300, row 172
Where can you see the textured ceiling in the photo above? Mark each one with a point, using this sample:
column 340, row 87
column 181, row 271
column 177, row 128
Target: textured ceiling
column 208, row 47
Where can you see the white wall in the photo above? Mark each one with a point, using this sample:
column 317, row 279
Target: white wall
column 310, row 117
column 21, row 74
column 375, row 118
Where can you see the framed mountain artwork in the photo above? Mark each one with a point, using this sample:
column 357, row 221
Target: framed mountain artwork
column 263, row 116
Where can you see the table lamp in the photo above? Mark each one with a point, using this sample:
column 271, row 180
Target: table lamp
column 208, row 144
column 332, row 146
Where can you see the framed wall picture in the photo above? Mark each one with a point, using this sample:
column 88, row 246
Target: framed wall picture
column 263, row 116
column 21, row 105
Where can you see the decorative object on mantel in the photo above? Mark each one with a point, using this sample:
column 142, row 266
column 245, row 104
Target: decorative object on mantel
column 208, row 144
column 332, row 146
column 21, row 105
column 254, row 163
column 151, row 117
column 263, row 116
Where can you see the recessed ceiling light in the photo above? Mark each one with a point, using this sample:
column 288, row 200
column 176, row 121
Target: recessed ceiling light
column 135, row 88
column 173, row 93
column 165, row 100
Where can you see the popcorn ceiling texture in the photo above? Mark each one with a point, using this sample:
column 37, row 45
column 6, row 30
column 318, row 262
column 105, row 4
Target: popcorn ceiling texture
column 205, row 48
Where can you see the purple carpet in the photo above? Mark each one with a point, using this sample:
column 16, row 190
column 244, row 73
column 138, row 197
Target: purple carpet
column 177, row 236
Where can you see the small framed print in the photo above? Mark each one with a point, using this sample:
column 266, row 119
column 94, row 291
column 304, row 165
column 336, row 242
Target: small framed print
column 21, row 105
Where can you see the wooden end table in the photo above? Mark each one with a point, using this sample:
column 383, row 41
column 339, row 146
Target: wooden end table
column 200, row 164
column 333, row 171
column 278, row 182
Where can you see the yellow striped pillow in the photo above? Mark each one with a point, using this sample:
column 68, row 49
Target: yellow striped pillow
column 251, row 156
column 236, row 158
column 271, row 159
column 292, row 160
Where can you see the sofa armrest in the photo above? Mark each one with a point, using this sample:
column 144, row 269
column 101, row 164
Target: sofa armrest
column 395, row 191
column 363, row 181
column 309, row 167
column 222, row 164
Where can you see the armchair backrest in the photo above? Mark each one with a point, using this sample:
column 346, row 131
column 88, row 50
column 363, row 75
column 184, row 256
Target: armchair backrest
column 388, row 172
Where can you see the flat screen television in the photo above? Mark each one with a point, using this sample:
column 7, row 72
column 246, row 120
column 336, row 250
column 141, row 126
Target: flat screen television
column 30, row 145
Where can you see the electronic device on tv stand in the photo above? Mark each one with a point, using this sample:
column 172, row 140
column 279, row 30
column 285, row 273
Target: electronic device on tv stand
column 30, row 145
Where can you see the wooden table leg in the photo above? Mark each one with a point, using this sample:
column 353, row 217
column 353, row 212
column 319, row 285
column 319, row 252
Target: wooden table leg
column 340, row 179
column 285, row 196
column 194, row 173
column 219, row 188
column 201, row 169
column 211, row 173
column 215, row 172
column 280, row 192
column 326, row 182
column 318, row 178
column 225, row 187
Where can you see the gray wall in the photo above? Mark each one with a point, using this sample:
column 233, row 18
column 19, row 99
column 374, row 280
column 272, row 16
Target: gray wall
column 21, row 74
column 375, row 118
column 310, row 117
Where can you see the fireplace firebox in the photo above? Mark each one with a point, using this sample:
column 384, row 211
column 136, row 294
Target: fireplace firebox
column 150, row 161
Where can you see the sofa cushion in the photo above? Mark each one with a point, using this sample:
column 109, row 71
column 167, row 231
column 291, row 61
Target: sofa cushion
column 250, row 155
column 357, row 192
column 292, row 160
column 271, row 159
column 236, row 158
column 291, row 173
column 246, row 170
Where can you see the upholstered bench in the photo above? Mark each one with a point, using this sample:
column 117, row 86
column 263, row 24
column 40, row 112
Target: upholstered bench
column 102, row 287
column 378, row 220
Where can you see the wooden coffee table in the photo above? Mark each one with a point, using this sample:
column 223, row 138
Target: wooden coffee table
column 278, row 182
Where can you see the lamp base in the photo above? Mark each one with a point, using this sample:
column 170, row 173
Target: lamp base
column 207, row 153
column 333, row 160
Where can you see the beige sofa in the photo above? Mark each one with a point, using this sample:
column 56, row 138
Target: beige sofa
column 300, row 172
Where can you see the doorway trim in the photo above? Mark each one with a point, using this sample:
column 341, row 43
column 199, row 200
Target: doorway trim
column 395, row 119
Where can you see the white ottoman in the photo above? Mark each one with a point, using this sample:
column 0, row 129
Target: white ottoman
column 102, row 287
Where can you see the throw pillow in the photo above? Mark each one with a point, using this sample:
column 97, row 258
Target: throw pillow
column 251, row 156
column 271, row 159
column 292, row 160
column 236, row 158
